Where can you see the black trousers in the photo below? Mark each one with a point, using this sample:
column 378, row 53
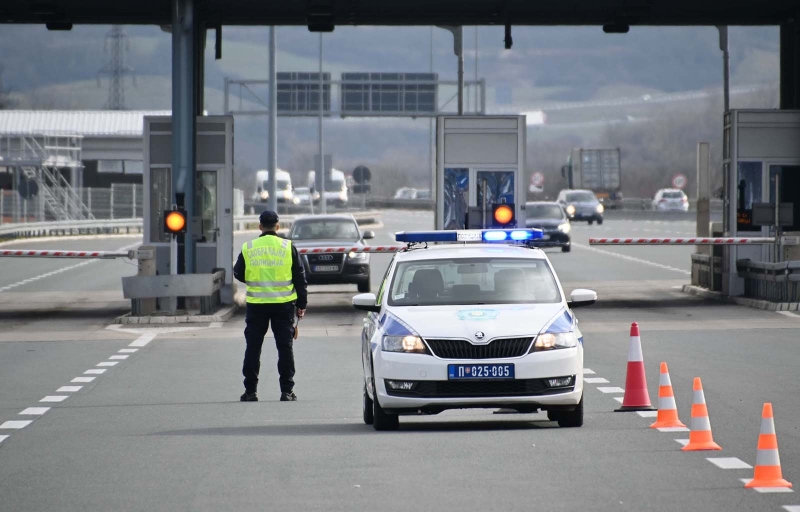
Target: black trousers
column 257, row 321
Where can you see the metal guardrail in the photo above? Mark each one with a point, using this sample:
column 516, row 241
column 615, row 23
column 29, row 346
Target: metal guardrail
column 707, row 271
column 775, row 282
column 127, row 226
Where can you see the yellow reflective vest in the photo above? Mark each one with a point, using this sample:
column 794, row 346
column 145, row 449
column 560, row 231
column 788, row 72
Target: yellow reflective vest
column 268, row 270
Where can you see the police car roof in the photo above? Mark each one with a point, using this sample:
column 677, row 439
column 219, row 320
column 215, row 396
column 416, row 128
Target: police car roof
column 442, row 251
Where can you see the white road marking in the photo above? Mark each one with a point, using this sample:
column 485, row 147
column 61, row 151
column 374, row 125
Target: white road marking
column 630, row 258
column 83, row 379
column 53, row 398
column 619, row 399
column 16, row 424
column 603, row 389
column 673, row 429
column 595, row 380
column 215, row 325
column 791, row 508
column 68, row 389
column 143, row 340
column 587, row 371
column 766, row 490
column 788, row 313
column 128, row 350
column 682, row 442
column 728, row 463
column 119, row 357
column 3, row 438
column 35, row 411
column 94, row 372
column 108, row 363
column 647, row 414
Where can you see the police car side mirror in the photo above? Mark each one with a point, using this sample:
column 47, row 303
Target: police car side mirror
column 580, row 298
column 366, row 302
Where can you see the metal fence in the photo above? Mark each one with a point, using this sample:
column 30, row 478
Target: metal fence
column 775, row 282
column 120, row 201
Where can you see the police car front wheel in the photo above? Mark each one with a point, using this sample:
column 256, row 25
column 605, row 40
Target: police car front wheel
column 368, row 411
column 568, row 419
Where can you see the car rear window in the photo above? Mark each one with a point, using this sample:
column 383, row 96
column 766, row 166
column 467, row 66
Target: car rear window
column 544, row 211
column 673, row 195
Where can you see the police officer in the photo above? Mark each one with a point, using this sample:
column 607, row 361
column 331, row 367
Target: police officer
column 276, row 292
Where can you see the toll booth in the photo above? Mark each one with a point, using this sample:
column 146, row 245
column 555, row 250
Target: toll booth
column 758, row 146
column 213, row 202
column 480, row 161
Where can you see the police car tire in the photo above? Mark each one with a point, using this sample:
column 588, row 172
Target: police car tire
column 570, row 419
column 600, row 221
column 381, row 420
column 566, row 248
column 368, row 411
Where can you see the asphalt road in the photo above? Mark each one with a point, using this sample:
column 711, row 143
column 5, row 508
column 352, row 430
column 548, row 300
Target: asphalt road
column 162, row 429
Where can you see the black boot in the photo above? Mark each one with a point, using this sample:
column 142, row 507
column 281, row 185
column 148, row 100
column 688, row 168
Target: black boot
column 249, row 396
column 288, row 397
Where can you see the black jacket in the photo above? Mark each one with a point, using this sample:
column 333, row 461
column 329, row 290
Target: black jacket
column 298, row 274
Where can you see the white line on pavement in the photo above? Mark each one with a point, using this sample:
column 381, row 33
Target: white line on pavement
column 53, row 398
column 3, row 438
column 788, row 313
column 729, row 463
column 766, row 489
column 647, row 414
column 587, row 371
column 108, row 363
column 595, row 380
column 143, row 340
column 630, row 258
column 791, row 508
column 128, row 350
column 83, row 379
column 603, row 389
column 68, row 389
column 673, row 429
column 682, row 442
column 94, row 372
column 34, row 411
column 16, row 424
column 119, row 357
column 619, row 399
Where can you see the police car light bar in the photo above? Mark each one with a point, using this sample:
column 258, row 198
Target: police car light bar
column 469, row 235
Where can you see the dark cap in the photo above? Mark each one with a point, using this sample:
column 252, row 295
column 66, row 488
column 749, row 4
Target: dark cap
column 268, row 218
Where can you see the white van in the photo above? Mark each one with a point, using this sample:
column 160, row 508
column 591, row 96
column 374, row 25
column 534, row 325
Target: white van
column 335, row 187
column 285, row 189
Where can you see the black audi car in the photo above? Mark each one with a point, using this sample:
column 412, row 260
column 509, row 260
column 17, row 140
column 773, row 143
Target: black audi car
column 550, row 218
column 312, row 231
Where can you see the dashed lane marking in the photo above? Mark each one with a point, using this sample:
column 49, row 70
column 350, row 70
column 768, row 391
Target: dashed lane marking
column 108, row 363
column 3, row 438
column 647, row 414
column 95, row 371
column 630, row 258
column 68, row 389
column 595, row 380
column 729, row 463
column 766, row 490
column 34, row 411
column 682, row 442
column 604, row 389
column 791, row 508
column 128, row 350
column 83, row 379
column 619, row 399
column 53, row 398
column 788, row 313
column 587, row 371
column 143, row 340
column 120, row 358
column 673, row 429
column 15, row 425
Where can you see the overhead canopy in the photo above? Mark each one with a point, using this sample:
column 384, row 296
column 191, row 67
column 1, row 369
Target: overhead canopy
column 410, row 12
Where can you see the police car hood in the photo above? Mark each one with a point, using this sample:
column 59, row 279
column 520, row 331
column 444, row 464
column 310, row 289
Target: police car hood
column 494, row 321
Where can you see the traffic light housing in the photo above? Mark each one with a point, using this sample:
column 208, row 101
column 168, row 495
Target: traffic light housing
column 503, row 215
column 175, row 221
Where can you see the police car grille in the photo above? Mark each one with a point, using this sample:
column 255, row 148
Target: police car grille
column 463, row 349
column 479, row 389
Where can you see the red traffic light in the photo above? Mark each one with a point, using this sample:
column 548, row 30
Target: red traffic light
column 175, row 221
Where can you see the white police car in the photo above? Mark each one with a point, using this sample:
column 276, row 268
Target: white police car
column 482, row 325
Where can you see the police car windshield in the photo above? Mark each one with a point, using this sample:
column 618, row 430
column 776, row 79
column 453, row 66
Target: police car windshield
column 461, row 281
column 329, row 229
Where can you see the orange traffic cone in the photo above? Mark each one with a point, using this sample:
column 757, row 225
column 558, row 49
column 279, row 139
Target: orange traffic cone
column 768, row 463
column 636, row 396
column 700, row 437
column 667, row 410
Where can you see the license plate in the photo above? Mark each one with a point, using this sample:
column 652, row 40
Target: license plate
column 480, row 371
column 325, row 268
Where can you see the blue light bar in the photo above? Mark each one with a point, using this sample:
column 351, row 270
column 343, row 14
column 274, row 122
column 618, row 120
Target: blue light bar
column 469, row 235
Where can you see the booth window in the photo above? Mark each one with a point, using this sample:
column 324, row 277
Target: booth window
column 160, row 195
column 748, row 192
column 789, row 185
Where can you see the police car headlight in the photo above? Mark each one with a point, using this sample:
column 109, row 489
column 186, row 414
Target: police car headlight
column 571, row 209
column 564, row 228
column 552, row 341
column 600, row 208
column 412, row 344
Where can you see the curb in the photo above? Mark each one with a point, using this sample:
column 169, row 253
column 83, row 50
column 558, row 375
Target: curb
column 742, row 301
column 222, row 315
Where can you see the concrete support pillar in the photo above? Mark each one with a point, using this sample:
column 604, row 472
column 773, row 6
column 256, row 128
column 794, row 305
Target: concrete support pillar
column 184, row 106
column 703, row 195
column 790, row 65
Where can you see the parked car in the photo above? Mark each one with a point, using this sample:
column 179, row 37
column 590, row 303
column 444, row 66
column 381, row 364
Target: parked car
column 581, row 205
column 406, row 193
column 670, row 199
column 423, row 194
column 550, row 218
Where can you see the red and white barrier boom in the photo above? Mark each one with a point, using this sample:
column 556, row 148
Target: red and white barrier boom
column 52, row 253
column 356, row 249
column 681, row 241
